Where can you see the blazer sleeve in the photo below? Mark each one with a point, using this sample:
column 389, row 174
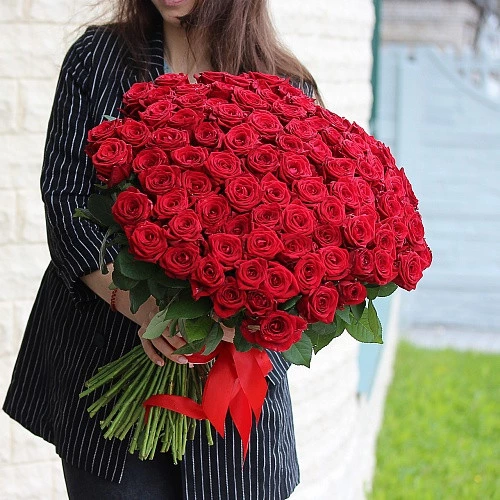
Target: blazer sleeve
column 68, row 177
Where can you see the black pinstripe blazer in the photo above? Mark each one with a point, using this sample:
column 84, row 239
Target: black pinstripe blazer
column 71, row 331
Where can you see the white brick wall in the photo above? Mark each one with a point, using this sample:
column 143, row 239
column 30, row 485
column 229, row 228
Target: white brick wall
column 333, row 39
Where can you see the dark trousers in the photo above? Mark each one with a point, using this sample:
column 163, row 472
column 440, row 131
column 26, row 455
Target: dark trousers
column 149, row 480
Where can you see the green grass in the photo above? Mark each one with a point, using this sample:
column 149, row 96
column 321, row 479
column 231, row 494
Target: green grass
column 441, row 433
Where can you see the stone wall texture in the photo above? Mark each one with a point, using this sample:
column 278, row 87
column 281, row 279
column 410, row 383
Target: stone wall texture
column 333, row 38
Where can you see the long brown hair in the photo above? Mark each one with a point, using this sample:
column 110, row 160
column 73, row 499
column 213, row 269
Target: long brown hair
column 240, row 34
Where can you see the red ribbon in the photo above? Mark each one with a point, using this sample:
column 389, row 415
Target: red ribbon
column 236, row 382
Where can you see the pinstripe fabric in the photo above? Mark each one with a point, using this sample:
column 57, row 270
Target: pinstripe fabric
column 71, row 331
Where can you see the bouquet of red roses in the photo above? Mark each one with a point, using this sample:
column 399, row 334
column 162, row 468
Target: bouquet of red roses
column 238, row 197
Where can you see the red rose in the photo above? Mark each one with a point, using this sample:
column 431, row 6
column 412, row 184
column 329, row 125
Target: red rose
column 359, row 231
column 131, row 207
column 294, row 166
column 149, row 158
column 280, row 282
column 186, row 118
column 263, row 159
column 172, row 80
column 389, row 205
column 385, row 239
column 157, row 94
column 148, row 242
column 410, row 270
column 326, row 234
column 267, row 79
column 250, row 273
column 210, row 76
column 425, row 254
column 168, row 139
column 228, row 114
column 346, row 190
column 292, row 143
column 156, row 115
column 229, row 298
column 335, row 168
column 259, row 303
column 336, row 261
column 185, row 226
column 192, row 88
column 394, row 183
column 351, row 293
column 213, row 211
column 207, row 277
column 275, row 191
column 263, row 243
column 371, row 169
column 310, row 190
column 189, row 157
column 331, row 211
column 332, row 137
column 286, row 111
column 415, row 229
column 362, row 264
column 301, row 129
column 298, row 219
column 267, row 215
column 266, row 124
column 309, row 271
column 317, row 123
column 196, row 184
column 103, row 131
column 222, row 165
column 241, row 139
column 243, row 192
column 320, row 305
column 208, row 134
column 399, row 228
column 160, row 180
column 354, row 146
column 193, row 100
column 226, row 248
column 249, row 100
column 239, row 224
column 365, row 191
column 242, row 81
column 170, row 203
column 133, row 97
column 277, row 331
column 319, row 152
column 407, row 186
column 181, row 260
column 385, row 270
column 295, row 246
column 112, row 161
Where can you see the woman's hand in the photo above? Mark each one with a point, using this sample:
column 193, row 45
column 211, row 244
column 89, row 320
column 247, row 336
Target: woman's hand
column 165, row 344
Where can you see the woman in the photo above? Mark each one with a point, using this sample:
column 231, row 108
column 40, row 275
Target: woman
column 72, row 329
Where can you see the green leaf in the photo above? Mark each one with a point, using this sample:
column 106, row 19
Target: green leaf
column 157, row 290
column 188, row 308
column 344, row 314
column 387, row 290
column 241, row 343
column 361, row 330
column 100, row 207
column 109, row 118
column 123, row 282
column 164, row 280
column 214, row 338
column 321, row 334
column 102, row 251
column 357, row 310
column 301, row 352
column 191, row 348
column 372, row 292
column 373, row 320
column 84, row 213
column 341, row 326
column 156, row 326
column 289, row 303
column 198, row 328
column 138, row 295
column 132, row 268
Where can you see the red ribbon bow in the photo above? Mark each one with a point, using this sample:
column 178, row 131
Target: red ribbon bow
column 236, row 382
